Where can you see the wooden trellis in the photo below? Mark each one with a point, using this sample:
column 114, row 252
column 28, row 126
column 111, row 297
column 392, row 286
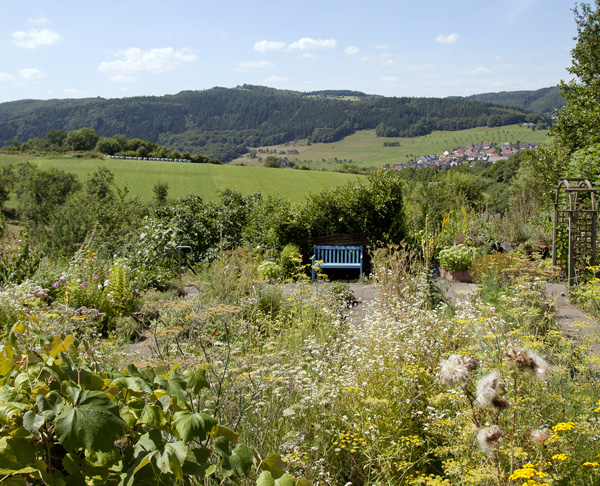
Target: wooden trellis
column 575, row 222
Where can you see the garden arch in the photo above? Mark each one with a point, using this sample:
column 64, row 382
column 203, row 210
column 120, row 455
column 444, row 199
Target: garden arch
column 575, row 225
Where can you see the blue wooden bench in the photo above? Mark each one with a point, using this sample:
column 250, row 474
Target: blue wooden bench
column 337, row 257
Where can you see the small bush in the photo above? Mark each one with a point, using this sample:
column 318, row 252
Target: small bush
column 457, row 258
column 269, row 271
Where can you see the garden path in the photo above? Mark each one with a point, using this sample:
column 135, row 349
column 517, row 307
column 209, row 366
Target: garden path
column 570, row 319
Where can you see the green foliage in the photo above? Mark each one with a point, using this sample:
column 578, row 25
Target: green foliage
column 272, row 162
column 19, row 264
column 457, row 258
column 269, row 270
column 586, row 163
column 66, row 420
column 226, row 122
column 373, row 210
column 291, row 261
column 82, row 139
column 577, row 123
column 41, row 192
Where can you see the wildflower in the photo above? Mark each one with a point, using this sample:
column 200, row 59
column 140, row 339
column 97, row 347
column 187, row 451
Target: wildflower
column 456, row 369
column 527, row 472
column 563, row 427
column 539, row 436
column 560, row 457
column 488, row 439
column 489, row 391
column 528, row 361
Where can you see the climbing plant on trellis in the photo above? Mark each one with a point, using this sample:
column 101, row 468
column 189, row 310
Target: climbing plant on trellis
column 575, row 225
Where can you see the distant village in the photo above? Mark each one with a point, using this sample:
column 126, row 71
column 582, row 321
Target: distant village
column 475, row 155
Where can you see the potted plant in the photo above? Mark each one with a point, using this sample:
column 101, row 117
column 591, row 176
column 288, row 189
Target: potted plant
column 455, row 263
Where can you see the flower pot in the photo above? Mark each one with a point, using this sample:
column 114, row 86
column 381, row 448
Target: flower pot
column 457, row 276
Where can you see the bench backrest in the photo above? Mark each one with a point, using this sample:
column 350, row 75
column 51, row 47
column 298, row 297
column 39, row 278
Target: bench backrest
column 339, row 254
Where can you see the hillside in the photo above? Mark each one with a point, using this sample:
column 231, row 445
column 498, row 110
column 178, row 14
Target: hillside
column 364, row 149
column 223, row 123
column 204, row 179
column 542, row 101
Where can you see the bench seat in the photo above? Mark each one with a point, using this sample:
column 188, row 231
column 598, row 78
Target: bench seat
column 337, row 257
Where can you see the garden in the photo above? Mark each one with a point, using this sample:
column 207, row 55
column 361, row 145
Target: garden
column 181, row 341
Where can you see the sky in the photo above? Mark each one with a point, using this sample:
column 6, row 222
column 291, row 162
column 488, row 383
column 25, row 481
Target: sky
column 432, row 48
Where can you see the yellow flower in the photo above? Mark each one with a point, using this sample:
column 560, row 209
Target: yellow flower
column 559, row 457
column 563, row 426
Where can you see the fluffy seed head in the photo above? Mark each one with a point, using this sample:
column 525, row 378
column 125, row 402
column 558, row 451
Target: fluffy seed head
column 488, row 439
column 456, row 369
column 490, row 389
column 528, row 361
column 539, row 436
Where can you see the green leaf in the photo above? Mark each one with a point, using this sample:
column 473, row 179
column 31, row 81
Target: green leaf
column 15, row 455
column 241, row 460
column 59, row 345
column 50, row 405
column 172, row 458
column 176, row 386
column 154, row 416
column 266, row 479
column 92, row 422
column 33, row 421
column 8, row 413
column 274, row 464
column 196, row 463
column 193, row 425
column 221, row 431
column 132, row 383
column 196, row 379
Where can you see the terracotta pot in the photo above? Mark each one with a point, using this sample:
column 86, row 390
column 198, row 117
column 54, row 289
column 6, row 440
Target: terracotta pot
column 458, row 276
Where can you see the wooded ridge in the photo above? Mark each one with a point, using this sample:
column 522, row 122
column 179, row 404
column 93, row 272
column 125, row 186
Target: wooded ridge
column 224, row 122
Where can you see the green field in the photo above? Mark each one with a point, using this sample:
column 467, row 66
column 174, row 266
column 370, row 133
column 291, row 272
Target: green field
column 365, row 149
column 204, row 179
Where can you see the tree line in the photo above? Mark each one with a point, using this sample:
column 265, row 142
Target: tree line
column 223, row 123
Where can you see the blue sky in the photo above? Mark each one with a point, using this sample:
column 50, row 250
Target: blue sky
column 114, row 49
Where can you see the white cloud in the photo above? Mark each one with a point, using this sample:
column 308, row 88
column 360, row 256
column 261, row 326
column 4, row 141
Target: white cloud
column 447, row 38
column 381, row 47
column 4, row 77
column 389, row 79
column 31, row 74
column 276, row 79
column 479, row 70
column 256, row 64
column 309, row 44
column 121, row 78
column 39, row 20
column 310, row 55
column 266, row 46
column 388, row 62
column 351, row 50
column 35, row 37
column 153, row 60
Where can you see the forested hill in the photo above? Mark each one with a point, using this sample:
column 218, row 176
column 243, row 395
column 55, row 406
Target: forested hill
column 223, row 122
column 543, row 101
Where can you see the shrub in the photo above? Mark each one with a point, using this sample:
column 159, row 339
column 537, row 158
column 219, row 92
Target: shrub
column 291, row 261
column 457, row 258
column 268, row 270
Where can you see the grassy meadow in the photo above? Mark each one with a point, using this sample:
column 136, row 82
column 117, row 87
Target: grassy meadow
column 365, row 149
column 204, row 179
